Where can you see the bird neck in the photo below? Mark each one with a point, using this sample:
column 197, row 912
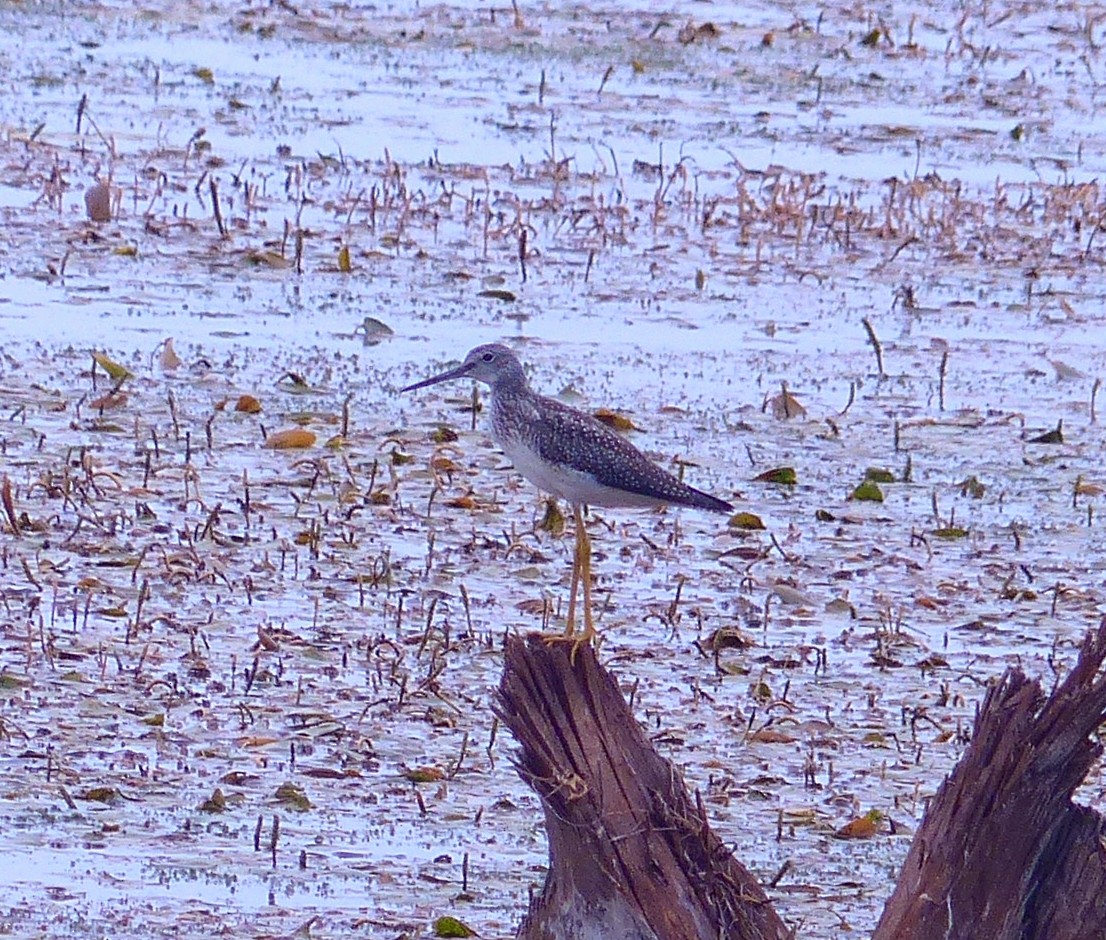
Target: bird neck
column 510, row 381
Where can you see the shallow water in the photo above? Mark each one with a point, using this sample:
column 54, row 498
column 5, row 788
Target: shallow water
column 159, row 640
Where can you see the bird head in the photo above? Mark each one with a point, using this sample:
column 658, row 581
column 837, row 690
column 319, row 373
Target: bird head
column 490, row 363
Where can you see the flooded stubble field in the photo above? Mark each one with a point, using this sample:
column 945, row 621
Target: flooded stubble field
column 841, row 265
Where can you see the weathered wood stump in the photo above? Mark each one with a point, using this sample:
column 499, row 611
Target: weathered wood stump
column 632, row 857
column 1003, row 853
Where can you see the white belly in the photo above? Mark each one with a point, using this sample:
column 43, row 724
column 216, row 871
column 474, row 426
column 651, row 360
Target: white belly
column 567, row 483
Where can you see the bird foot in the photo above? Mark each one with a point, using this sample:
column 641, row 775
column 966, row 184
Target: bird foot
column 578, row 640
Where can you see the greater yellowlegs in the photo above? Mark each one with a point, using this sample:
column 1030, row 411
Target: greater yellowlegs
column 571, row 455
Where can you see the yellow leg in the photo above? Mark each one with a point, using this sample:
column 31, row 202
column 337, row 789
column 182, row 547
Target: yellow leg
column 584, row 548
column 581, row 572
column 570, row 624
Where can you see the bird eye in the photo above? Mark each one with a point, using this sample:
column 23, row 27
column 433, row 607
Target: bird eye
column 488, row 357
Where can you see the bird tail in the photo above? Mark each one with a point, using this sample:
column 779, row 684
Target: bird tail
column 701, row 500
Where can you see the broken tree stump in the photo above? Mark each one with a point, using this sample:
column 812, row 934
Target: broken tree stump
column 1003, row 853
column 632, row 857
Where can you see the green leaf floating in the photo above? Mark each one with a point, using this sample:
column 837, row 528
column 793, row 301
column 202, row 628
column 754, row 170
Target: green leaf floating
column 293, row 797
column 867, row 492
column 879, row 475
column 115, row 371
column 452, row 927
column 784, row 475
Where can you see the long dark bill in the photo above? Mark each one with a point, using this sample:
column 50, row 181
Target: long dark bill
column 458, row 373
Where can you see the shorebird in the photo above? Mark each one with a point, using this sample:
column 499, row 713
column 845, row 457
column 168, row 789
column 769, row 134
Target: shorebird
column 571, row 455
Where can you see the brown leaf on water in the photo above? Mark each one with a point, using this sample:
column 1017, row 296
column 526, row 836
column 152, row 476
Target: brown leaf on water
column 216, row 803
column 266, row 640
column 496, row 293
column 100, row 795
column 864, row 827
column 303, row 418
column 169, row 360
column 109, row 401
column 444, row 465
column 785, row 406
column 761, row 691
column 883, row 661
column 97, row 202
column 259, row 741
column 972, row 487
column 1055, row 436
column 248, row 405
column 690, row 33
column 729, row 638
column 1083, row 488
column 747, row 521
column 9, row 505
column 269, row 259
column 294, row 382
column 931, row 662
column 840, row 605
column 791, row 596
column 772, row 736
column 292, row 439
column 330, row 773
column 613, row 419
column 373, row 331
column 1064, row 372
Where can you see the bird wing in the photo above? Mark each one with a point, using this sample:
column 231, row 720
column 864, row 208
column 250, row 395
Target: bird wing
column 571, row 438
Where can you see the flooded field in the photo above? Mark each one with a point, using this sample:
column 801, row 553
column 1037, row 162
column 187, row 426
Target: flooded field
column 253, row 599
